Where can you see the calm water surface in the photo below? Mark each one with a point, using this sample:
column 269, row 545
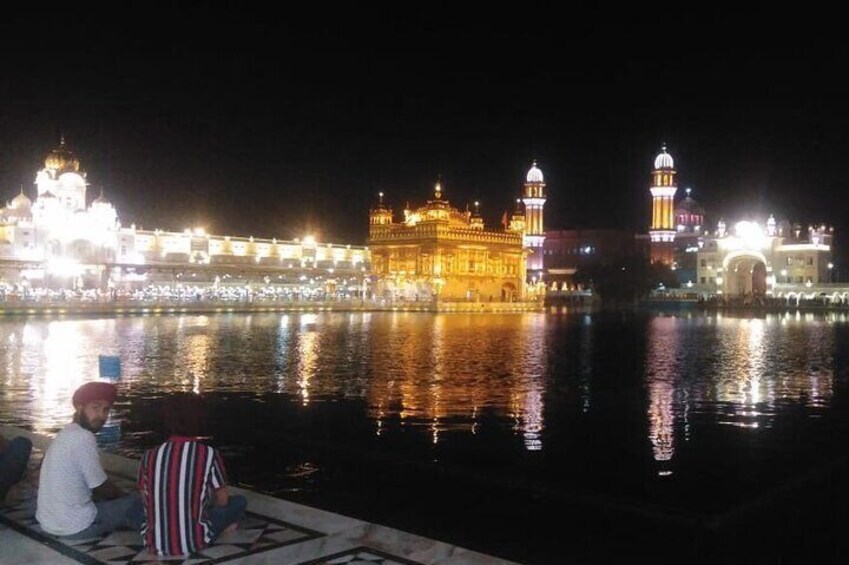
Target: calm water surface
column 687, row 411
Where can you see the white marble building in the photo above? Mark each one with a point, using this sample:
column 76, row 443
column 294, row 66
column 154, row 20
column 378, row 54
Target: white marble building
column 767, row 260
column 58, row 240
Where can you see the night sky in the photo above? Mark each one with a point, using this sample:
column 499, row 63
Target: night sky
column 251, row 125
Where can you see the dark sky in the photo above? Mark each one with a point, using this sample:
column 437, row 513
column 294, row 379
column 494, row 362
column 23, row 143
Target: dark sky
column 271, row 126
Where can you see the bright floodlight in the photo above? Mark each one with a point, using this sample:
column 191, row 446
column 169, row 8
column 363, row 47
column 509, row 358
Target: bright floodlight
column 750, row 233
column 64, row 267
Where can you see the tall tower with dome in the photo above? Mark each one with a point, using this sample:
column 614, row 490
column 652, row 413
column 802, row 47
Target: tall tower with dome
column 534, row 201
column 663, row 189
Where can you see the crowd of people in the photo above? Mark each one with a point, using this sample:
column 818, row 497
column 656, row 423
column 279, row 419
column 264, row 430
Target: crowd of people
column 183, row 502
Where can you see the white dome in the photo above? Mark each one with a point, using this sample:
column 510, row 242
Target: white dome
column 664, row 160
column 21, row 201
column 534, row 174
column 71, row 181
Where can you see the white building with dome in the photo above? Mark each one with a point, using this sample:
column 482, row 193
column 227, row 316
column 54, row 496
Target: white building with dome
column 58, row 240
column 57, row 226
column 766, row 258
column 754, row 258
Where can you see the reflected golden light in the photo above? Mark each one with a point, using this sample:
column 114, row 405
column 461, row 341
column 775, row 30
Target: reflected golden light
column 45, row 361
column 379, row 421
column 446, row 368
column 63, row 373
column 756, row 360
column 196, row 349
column 308, row 347
column 281, row 352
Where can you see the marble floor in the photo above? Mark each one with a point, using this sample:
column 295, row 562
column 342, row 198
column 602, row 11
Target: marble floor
column 273, row 531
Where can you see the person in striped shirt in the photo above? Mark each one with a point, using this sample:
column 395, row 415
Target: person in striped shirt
column 183, row 484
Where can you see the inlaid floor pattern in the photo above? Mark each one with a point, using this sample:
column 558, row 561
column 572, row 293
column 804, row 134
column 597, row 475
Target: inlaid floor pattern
column 256, row 533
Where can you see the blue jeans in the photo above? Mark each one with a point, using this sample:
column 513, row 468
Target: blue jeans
column 124, row 513
column 13, row 463
column 223, row 516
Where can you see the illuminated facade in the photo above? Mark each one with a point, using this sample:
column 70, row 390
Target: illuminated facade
column 751, row 260
column 663, row 189
column 56, row 241
column 440, row 253
column 765, row 261
column 534, row 201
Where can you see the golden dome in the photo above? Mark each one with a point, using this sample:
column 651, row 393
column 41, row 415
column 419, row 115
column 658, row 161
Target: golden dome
column 62, row 159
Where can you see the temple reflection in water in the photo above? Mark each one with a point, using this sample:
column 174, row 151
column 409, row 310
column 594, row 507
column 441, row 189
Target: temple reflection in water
column 429, row 384
column 432, row 374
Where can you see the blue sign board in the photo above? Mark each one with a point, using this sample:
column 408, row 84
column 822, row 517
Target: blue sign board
column 110, row 366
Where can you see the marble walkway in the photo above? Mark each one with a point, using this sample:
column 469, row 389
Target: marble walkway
column 275, row 531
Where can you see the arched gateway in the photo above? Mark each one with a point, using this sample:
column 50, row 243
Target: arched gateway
column 745, row 274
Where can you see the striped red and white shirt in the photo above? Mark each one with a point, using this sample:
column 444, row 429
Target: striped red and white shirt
column 177, row 481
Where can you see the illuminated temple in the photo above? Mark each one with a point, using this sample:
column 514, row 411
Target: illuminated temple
column 437, row 252
column 58, row 241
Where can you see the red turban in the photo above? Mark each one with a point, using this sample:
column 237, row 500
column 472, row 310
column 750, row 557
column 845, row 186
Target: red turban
column 90, row 392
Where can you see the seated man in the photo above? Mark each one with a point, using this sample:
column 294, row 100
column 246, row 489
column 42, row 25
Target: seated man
column 75, row 497
column 184, row 486
column 14, row 456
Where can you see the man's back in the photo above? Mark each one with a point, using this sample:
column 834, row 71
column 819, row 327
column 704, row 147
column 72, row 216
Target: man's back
column 177, row 480
column 70, row 470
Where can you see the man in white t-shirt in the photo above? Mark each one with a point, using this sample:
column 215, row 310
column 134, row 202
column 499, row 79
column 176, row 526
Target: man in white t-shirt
column 75, row 497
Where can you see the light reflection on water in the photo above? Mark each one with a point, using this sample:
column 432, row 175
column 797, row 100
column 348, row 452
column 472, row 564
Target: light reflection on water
column 436, row 371
column 547, row 381
column 741, row 372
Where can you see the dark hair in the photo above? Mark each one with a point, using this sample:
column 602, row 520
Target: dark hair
column 184, row 414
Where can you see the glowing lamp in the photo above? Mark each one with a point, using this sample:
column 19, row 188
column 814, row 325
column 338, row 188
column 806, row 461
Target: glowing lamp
column 750, row 234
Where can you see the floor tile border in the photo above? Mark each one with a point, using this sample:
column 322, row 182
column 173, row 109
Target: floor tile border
column 83, row 557
column 326, row 558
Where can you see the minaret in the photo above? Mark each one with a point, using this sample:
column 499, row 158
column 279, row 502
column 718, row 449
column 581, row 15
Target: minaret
column 534, row 201
column 663, row 189
column 517, row 220
column 475, row 218
column 380, row 215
